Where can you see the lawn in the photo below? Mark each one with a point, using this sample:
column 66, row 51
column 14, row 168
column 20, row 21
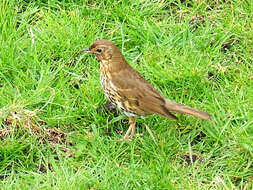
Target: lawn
column 56, row 131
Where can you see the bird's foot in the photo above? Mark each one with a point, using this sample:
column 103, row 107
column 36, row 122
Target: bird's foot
column 139, row 134
column 130, row 137
column 127, row 138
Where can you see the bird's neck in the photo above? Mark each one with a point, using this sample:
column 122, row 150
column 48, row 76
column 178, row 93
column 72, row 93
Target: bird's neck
column 113, row 65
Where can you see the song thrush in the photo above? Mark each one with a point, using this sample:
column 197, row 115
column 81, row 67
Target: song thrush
column 129, row 91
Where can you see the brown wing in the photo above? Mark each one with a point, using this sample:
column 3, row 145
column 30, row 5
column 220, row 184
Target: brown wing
column 138, row 94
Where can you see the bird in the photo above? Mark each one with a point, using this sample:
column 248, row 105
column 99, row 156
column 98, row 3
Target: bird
column 129, row 91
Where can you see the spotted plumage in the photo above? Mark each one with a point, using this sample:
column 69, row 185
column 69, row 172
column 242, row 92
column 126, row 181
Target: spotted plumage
column 129, row 91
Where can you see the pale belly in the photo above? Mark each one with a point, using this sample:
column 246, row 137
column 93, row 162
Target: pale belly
column 111, row 93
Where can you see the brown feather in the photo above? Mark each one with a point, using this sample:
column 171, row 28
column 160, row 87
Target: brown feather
column 131, row 89
column 179, row 108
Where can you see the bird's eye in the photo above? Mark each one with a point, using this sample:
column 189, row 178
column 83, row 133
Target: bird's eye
column 99, row 50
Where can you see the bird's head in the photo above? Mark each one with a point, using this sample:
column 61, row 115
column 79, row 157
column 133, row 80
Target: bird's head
column 103, row 49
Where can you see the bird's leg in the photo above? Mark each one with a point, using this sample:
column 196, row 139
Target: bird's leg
column 126, row 136
column 132, row 121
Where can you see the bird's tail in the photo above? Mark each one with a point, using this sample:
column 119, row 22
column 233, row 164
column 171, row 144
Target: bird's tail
column 179, row 108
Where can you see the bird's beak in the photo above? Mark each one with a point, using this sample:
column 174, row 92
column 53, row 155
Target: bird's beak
column 86, row 50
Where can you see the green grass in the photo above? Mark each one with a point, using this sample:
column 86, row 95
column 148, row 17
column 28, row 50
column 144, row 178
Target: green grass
column 195, row 52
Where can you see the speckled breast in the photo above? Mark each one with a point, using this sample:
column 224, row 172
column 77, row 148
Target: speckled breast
column 104, row 84
column 111, row 93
